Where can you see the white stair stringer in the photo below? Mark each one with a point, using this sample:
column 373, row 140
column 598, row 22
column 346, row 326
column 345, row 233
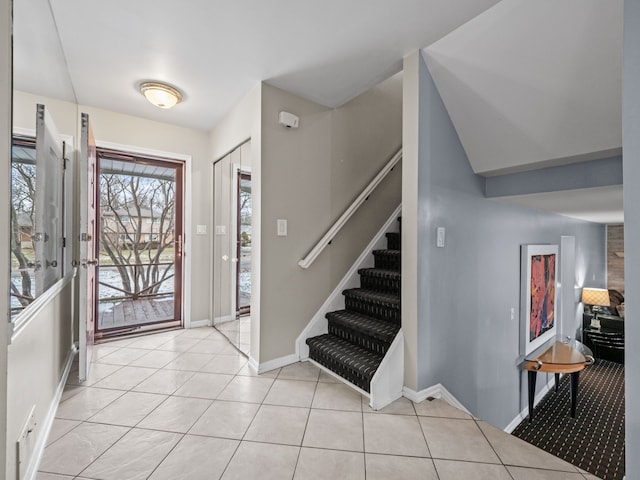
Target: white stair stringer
column 387, row 382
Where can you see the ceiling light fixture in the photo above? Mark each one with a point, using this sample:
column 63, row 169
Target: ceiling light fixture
column 161, row 94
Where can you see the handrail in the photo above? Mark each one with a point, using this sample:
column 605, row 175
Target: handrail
column 344, row 218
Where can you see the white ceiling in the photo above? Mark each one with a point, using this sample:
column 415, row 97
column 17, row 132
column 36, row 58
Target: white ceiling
column 531, row 82
column 599, row 205
column 526, row 83
column 215, row 51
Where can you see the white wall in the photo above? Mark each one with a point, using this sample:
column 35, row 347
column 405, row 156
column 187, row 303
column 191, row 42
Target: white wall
column 146, row 134
column 34, row 378
column 5, row 169
column 36, row 361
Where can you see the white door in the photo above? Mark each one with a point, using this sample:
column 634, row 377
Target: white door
column 88, row 256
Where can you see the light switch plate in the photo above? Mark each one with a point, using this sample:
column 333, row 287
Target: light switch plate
column 201, row 229
column 221, row 229
column 440, row 237
column 282, row 227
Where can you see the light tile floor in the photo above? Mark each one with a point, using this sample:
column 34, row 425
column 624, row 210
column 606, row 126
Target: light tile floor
column 183, row 405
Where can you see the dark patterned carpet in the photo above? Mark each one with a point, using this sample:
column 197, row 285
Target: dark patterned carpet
column 594, row 440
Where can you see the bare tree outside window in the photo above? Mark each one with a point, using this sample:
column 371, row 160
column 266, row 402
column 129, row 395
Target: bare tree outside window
column 23, row 178
column 137, row 234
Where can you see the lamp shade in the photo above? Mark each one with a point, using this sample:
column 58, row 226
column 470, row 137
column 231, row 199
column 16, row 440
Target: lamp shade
column 161, row 94
column 596, row 296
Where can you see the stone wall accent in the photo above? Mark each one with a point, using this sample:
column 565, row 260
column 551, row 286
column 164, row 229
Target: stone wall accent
column 615, row 262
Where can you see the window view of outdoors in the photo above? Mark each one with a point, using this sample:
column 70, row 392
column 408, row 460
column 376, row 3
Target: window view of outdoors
column 136, row 257
column 245, row 243
column 23, row 259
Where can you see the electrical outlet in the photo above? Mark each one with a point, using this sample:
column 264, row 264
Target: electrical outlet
column 26, row 442
column 513, row 313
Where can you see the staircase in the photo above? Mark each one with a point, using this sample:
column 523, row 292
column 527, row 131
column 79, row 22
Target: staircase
column 360, row 335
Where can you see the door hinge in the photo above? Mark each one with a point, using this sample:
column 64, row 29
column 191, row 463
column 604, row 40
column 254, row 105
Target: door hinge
column 64, row 155
column 64, row 242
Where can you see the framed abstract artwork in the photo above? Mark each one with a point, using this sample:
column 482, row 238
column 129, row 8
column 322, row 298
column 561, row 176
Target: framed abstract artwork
column 538, row 310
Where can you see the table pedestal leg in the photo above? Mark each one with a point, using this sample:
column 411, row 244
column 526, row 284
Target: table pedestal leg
column 557, row 381
column 575, row 378
column 532, row 392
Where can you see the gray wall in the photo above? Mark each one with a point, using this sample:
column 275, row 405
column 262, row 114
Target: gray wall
column 631, row 159
column 466, row 338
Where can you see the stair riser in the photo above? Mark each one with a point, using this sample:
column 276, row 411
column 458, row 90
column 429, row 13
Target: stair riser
column 393, row 241
column 383, row 312
column 350, row 375
column 386, row 261
column 358, row 338
column 384, row 285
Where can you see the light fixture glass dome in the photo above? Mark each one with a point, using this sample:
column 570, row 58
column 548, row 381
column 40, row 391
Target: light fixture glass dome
column 161, row 94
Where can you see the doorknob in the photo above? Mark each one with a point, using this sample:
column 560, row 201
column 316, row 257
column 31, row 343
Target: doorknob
column 89, row 262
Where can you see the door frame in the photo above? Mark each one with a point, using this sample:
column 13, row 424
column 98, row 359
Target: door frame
column 187, row 230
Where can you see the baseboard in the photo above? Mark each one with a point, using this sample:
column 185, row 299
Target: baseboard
column 525, row 411
column 226, row 318
column 435, row 391
column 38, row 450
column 199, row 323
column 276, row 363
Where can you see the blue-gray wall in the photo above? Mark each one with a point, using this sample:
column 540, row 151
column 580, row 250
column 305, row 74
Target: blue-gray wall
column 467, row 339
column 631, row 165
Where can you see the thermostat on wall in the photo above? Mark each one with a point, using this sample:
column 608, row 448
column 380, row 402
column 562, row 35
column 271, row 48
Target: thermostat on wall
column 289, row 120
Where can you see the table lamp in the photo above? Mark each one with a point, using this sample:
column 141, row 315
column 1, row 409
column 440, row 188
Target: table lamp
column 596, row 297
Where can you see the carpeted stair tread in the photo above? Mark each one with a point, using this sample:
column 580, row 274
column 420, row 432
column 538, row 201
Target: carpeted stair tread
column 387, row 259
column 393, row 240
column 380, row 272
column 390, row 299
column 353, row 363
column 367, row 332
column 384, row 306
column 380, row 280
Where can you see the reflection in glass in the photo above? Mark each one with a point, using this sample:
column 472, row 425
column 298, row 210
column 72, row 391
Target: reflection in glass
column 23, row 184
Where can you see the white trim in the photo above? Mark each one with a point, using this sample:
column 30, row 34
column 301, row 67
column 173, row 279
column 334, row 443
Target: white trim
column 436, row 391
column 29, row 313
column 344, row 218
column 386, row 384
column 38, row 450
column 318, row 324
column 275, row 363
column 525, row 411
column 199, row 323
column 25, row 132
column 338, row 377
column 253, row 363
column 187, row 231
column 225, row 319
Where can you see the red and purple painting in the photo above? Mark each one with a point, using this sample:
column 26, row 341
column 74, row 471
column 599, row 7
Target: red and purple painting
column 543, row 294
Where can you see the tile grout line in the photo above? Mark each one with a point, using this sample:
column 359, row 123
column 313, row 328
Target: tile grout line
column 306, row 424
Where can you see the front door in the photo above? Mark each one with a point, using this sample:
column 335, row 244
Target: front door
column 141, row 241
